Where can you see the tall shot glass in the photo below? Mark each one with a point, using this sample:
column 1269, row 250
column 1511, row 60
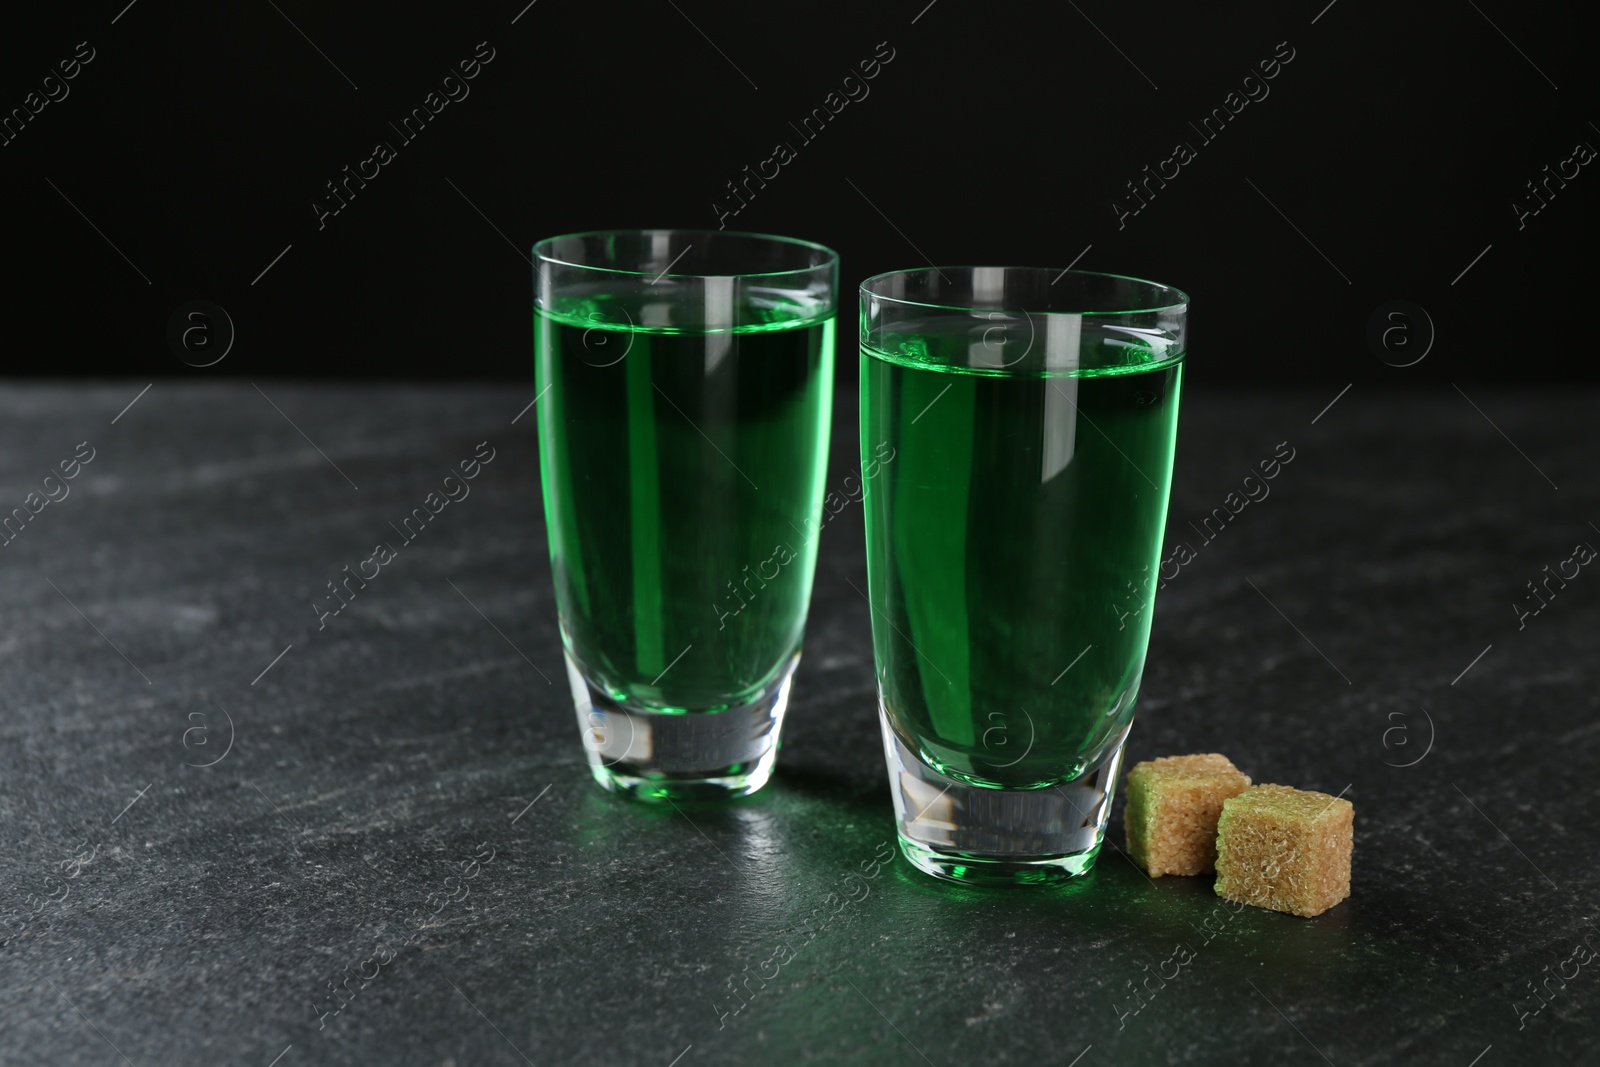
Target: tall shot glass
column 1012, row 550
column 685, row 385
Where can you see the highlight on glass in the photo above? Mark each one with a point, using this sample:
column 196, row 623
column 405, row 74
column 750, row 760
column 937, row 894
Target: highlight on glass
column 1012, row 550
column 685, row 390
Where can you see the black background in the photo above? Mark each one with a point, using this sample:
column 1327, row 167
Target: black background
column 198, row 138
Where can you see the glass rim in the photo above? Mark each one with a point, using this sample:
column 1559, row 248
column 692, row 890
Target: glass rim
column 830, row 260
column 1181, row 304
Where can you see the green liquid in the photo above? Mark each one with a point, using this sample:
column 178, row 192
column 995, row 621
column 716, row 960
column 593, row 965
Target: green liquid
column 1020, row 525
column 681, row 470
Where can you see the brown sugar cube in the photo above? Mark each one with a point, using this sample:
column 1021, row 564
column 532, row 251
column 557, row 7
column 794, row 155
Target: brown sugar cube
column 1173, row 805
column 1285, row 849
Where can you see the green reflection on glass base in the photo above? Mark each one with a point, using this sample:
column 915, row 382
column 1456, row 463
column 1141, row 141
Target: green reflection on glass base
column 653, row 755
column 987, row 871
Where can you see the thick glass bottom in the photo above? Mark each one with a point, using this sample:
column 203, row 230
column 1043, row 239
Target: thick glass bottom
column 965, row 833
column 654, row 756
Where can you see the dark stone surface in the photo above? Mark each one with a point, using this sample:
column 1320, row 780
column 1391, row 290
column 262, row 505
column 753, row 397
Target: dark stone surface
column 205, row 922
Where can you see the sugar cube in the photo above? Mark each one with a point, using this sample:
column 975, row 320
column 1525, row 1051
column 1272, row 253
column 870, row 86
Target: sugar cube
column 1173, row 805
column 1285, row 849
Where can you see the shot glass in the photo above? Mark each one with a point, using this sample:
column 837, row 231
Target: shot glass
column 685, row 385
column 1013, row 547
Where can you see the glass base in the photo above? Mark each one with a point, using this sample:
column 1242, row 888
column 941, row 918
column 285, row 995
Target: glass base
column 655, row 756
column 954, row 830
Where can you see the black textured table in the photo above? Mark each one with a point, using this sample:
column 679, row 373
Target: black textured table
column 396, row 854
